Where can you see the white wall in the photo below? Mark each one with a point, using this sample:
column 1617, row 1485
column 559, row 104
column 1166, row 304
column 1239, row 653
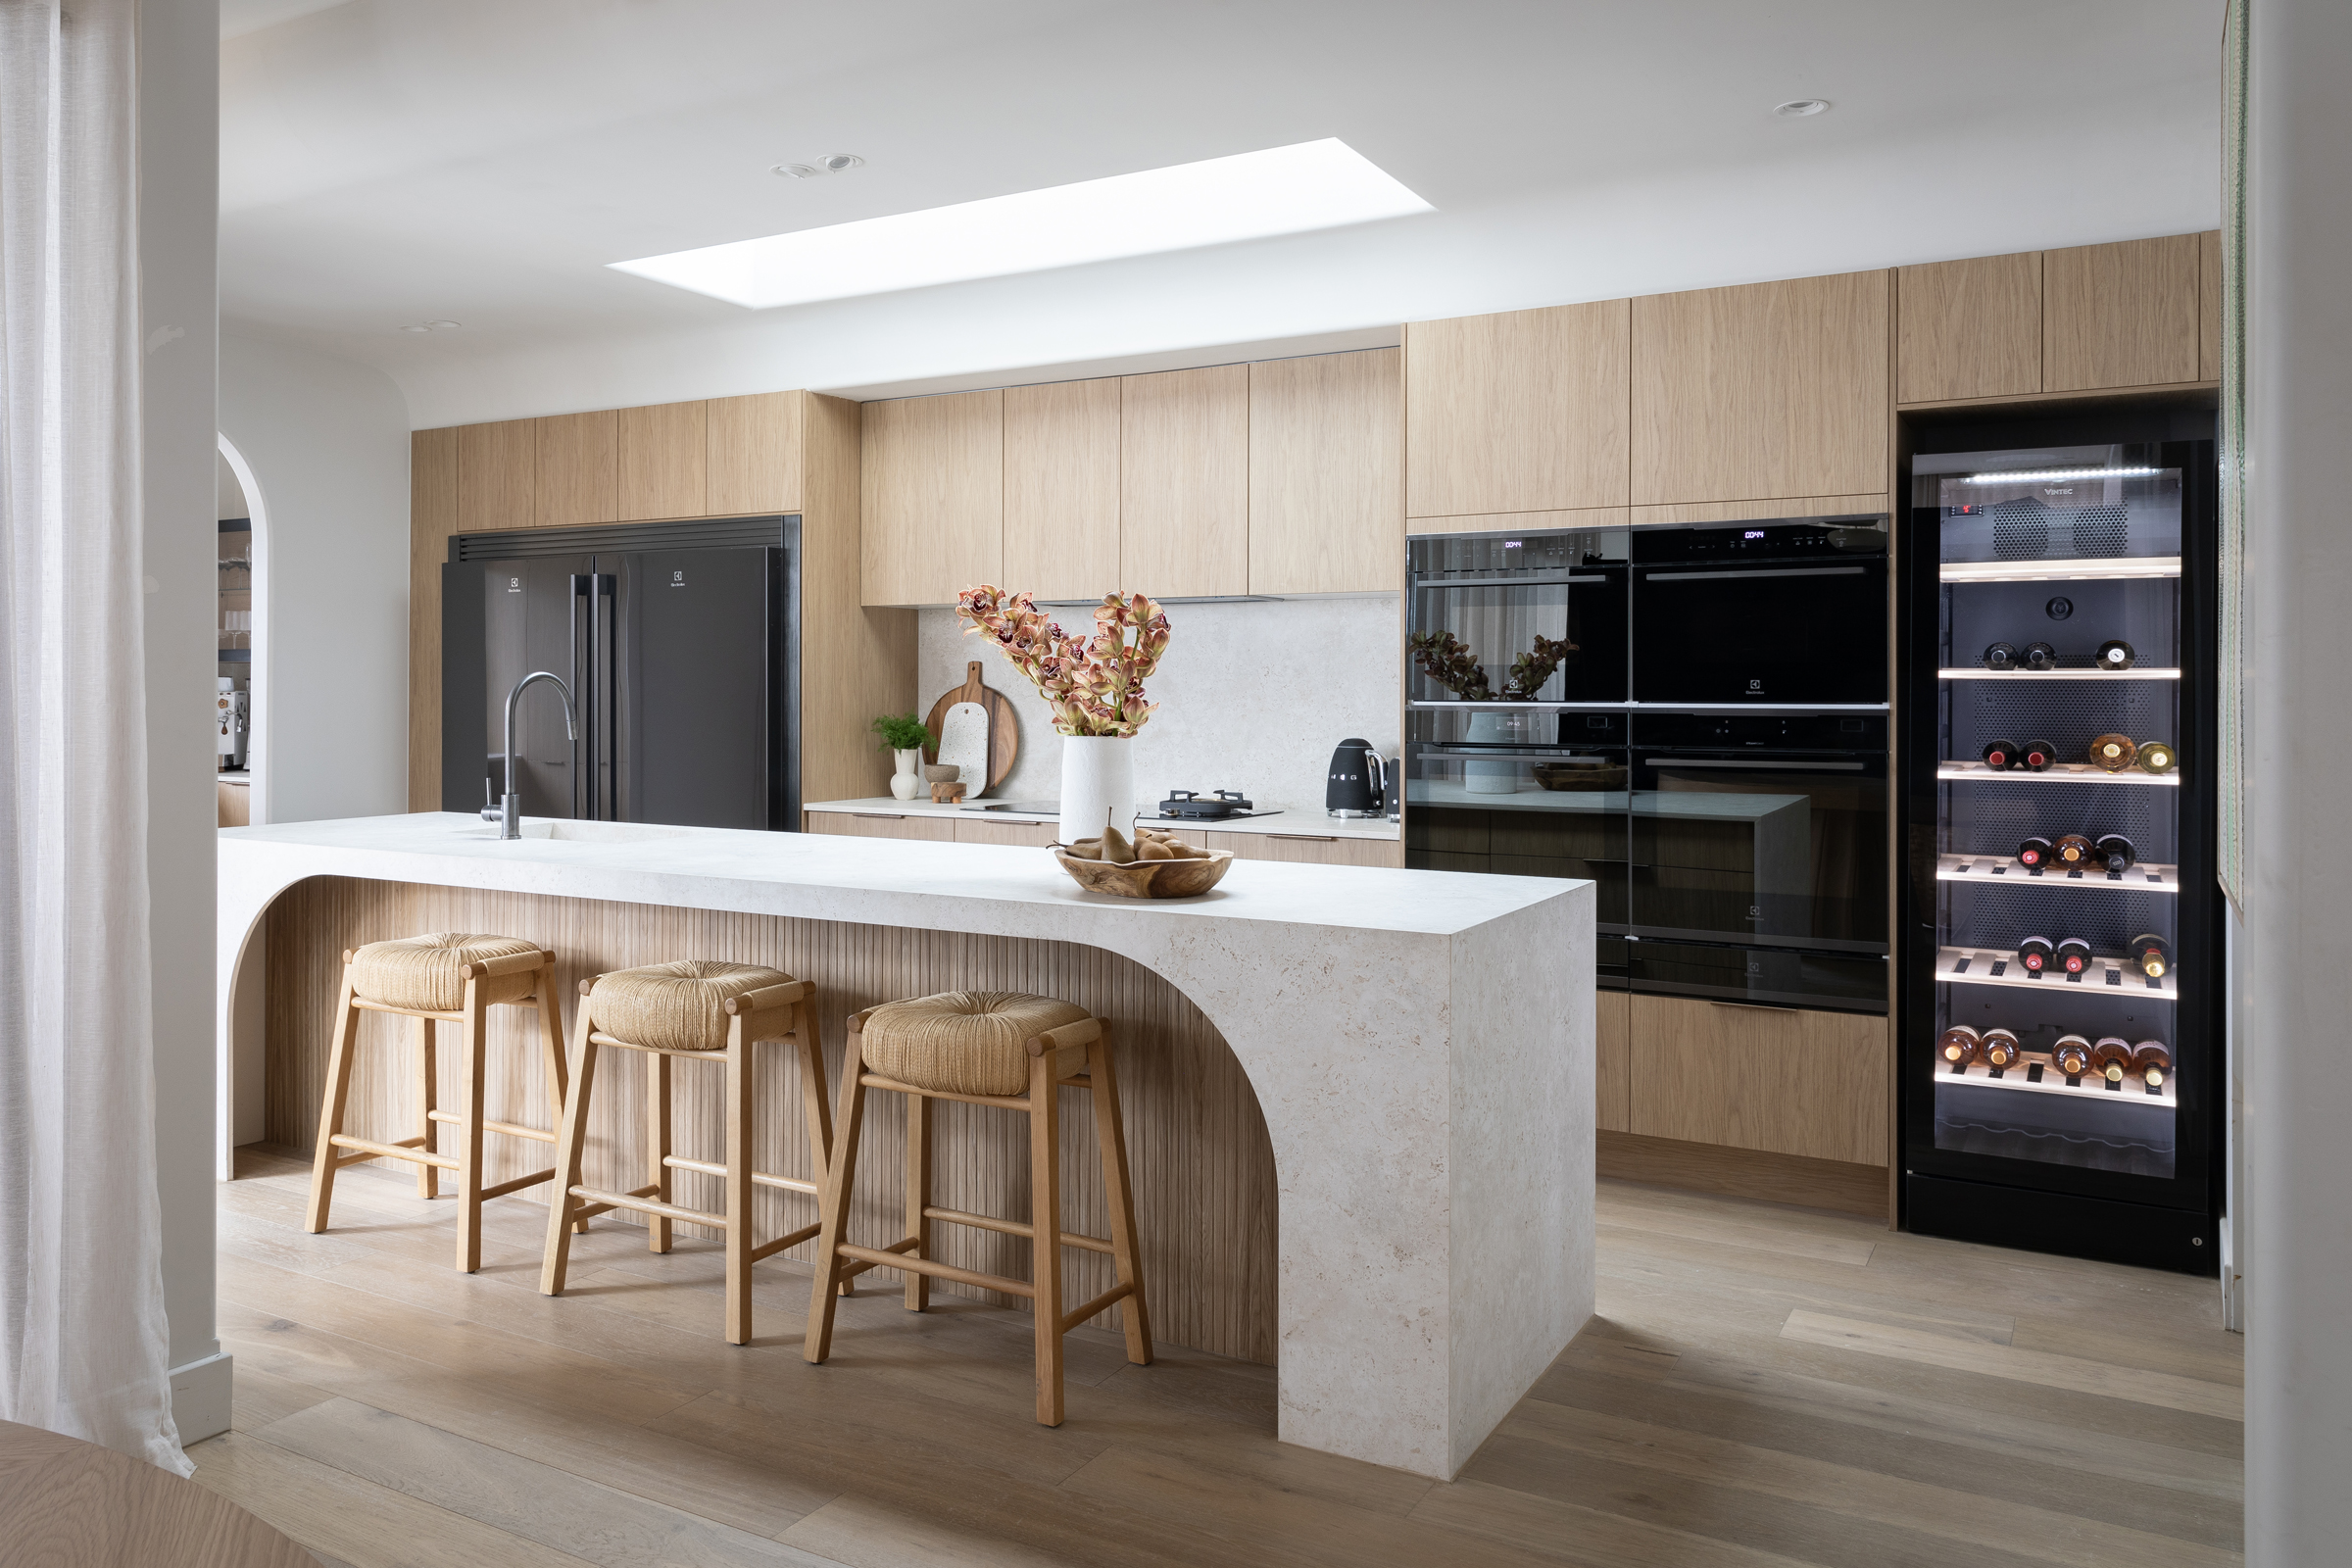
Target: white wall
column 2299, row 933
column 1252, row 697
column 327, row 444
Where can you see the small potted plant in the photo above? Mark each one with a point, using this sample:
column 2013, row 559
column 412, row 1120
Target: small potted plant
column 905, row 736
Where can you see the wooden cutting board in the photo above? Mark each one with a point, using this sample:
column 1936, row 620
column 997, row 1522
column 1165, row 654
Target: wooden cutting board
column 1004, row 731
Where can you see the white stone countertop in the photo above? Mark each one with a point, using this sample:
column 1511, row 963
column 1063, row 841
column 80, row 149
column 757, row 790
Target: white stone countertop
column 1282, row 821
column 1420, row 1044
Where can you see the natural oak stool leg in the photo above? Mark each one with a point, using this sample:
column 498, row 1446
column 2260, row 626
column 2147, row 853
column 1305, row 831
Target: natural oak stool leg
column 955, row 1047
column 695, row 1007
column 444, row 978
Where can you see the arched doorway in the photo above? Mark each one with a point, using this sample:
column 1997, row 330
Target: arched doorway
column 243, row 628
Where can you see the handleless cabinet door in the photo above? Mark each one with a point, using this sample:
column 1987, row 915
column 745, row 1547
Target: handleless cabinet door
column 2123, row 315
column 934, row 497
column 1521, row 411
column 578, row 462
column 1062, row 488
column 498, row 475
column 1763, row 391
column 2208, row 304
column 1612, row 1062
column 663, row 456
column 753, row 454
column 1184, row 482
column 1775, row 1079
column 1326, row 474
column 1969, row 329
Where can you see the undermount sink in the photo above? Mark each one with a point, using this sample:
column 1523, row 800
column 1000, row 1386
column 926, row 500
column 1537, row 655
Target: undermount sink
column 583, row 832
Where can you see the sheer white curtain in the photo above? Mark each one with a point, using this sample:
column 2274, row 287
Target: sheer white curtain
column 83, row 1335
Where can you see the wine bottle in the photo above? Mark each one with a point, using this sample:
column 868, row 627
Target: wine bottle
column 2036, row 757
column 2040, row 656
column 2151, row 1062
column 2033, row 852
column 2111, row 1059
column 2115, row 851
column 2071, row 1056
column 2157, row 756
column 2000, row 655
column 2072, row 851
column 1960, row 1045
column 2153, row 953
column 2116, row 653
column 2114, row 753
column 1999, row 754
column 2073, row 954
column 2001, row 1047
column 2037, row 954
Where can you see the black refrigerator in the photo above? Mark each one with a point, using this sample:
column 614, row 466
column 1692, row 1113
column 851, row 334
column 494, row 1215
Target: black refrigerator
column 678, row 644
column 2059, row 1036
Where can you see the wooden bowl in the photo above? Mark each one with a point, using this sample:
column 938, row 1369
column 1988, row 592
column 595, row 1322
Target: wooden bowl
column 1146, row 879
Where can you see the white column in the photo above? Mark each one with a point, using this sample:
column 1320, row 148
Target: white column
column 2297, row 1056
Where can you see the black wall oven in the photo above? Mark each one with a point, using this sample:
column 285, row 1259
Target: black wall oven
column 1767, row 612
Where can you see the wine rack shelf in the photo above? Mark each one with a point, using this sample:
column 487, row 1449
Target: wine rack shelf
column 1998, row 872
column 2107, row 977
column 1980, row 672
column 2057, row 773
column 2032, row 1077
column 2103, row 571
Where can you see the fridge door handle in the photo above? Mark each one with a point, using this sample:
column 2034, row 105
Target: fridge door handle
column 603, row 798
column 584, row 748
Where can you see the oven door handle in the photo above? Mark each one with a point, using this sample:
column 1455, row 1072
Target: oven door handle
column 1796, row 767
column 1778, row 571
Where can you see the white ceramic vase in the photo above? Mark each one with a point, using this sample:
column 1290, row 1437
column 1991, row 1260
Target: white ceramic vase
column 1098, row 785
column 907, row 782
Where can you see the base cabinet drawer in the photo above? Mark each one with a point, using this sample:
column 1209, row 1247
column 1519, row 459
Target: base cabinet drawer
column 857, row 824
column 1304, row 849
column 1775, row 1079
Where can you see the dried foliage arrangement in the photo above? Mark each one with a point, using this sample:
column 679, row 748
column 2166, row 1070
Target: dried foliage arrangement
column 1095, row 685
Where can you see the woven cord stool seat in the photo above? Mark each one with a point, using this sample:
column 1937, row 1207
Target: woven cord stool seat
column 446, row 977
column 990, row 1048
column 695, row 1007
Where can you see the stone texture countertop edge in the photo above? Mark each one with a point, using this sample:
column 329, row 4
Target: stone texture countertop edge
column 1290, row 822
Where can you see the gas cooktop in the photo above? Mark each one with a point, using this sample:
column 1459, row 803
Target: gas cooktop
column 1189, row 806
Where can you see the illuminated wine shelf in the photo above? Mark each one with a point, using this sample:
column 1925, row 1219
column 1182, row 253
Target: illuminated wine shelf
column 2106, row 977
column 1980, row 672
column 2056, row 773
column 2103, row 571
column 2035, row 1076
column 2000, row 871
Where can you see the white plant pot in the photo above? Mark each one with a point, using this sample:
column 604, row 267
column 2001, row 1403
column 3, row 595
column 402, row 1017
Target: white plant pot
column 907, row 782
column 1098, row 785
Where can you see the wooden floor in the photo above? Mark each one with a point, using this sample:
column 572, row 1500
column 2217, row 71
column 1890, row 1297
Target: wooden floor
column 1762, row 1387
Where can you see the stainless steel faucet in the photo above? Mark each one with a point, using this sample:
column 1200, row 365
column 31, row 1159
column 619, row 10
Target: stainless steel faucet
column 508, row 814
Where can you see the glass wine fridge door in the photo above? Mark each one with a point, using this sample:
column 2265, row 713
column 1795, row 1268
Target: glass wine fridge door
column 1535, row 617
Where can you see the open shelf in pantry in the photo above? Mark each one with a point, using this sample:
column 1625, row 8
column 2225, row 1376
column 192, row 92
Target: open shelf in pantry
column 2040, row 1078
column 1980, row 672
column 2056, row 773
column 1999, row 871
column 1990, row 966
column 2098, row 570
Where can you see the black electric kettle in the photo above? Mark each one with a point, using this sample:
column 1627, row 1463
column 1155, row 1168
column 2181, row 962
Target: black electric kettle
column 1358, row 782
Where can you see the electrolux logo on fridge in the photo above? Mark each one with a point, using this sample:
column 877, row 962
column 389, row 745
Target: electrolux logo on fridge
column 677, row 579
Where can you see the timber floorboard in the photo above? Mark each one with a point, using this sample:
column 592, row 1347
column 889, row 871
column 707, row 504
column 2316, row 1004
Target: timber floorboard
column 1761, row 1388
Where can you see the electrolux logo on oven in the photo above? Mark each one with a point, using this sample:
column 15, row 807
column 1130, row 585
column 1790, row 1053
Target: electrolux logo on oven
column 677, row 579
column 1755, row 686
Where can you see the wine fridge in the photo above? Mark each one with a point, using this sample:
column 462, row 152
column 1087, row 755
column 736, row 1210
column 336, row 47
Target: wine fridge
column 2059, row 1012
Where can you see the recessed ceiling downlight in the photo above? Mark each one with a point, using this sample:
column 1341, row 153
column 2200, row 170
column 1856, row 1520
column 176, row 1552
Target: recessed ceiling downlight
column 1798, row 108
column 830, row 163
column 1280, row 190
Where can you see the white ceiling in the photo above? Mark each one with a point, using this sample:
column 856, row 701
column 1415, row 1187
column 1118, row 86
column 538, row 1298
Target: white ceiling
column 391, row 161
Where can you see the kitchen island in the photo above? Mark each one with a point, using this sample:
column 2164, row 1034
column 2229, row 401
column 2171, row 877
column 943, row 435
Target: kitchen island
column 1410, row 1050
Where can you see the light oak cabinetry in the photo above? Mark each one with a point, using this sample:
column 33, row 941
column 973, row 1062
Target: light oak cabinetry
column 2120, row 316
column 1061, row 489
column 1612, row 1061
column 752, row 453
column 1184, row 482
column 2208, row 304
column 1764, row 391
column 1777, row 1080
column 498, row 475
column 1297, row 848
column 577, row 457
column 1326, row 474
column 435, row 506
column 934, row 510
column 664, row 458
column 1520, row 411
column 1969, row 329
column 859, row 825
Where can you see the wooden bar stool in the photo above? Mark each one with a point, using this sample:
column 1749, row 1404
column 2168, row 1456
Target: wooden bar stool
column 694, row 1008
column 454, row 978
column 984, row 1047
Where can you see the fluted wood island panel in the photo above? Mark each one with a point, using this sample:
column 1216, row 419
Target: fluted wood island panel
column 1203, row 1171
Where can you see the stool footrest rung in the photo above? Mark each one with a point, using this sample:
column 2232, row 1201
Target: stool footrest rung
column 365, row 1006
column 1012, row 1227
column 1100, row 1304
column 407, row 1149
column 788, row 1239
column 845, row 1275
column 489, row 1126
column 759, row 1178
column 874, row 1080
column 647, row 1206
column 591, row 1211
column 890, row 1257
column 520, row 1183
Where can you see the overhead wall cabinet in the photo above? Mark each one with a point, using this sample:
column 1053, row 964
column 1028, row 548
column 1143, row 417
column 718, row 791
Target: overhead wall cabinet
column 1326, row 474
column 753, row 454
column 2118, row 316
column 1760, row 392
column 578, row 462
column 1520, row 411
column 1184, row 482
column 934, row 509
column 1969, row 329
column 1062, row 488
column 664, row 460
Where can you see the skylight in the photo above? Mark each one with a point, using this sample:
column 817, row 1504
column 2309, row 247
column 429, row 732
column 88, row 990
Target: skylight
column 1281, row 190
